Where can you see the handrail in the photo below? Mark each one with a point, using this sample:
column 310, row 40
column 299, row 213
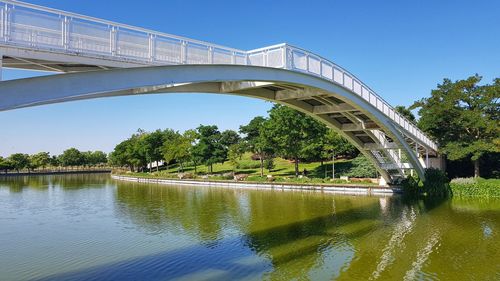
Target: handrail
column 57, row 30
column 414, row 129
column 112, row 23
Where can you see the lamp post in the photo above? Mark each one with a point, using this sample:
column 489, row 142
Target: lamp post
column 333, row 164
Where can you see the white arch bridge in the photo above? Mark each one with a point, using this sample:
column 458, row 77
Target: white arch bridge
column 102, row 58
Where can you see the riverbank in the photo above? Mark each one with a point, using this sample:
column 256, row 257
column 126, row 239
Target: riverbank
column 56, row 172
column 332, row 188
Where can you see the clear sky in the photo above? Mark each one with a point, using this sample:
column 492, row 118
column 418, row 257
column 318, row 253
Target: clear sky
column 401, row 49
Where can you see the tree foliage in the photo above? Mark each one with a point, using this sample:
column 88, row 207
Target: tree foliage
column 258, row 141
column 19, row 161
column 406, row 112
column 293, row 133
column 178, row 148
column 41, row 159
column 72, row 157
column 463, row 116
column 209, row 148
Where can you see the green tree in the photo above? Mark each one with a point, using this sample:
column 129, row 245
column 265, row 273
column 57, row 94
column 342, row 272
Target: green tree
column 405, row 112
column 234, row 155
column 119, row 156
column 178, row 148
column 72, row 157
column 19, row 161
column 169, row 135
column 41, row 159
column 463, row 117
column 153, row 143
column 292, row 132
column 257, row 140
column 132, row 152
column 209, row 147
column 54, row 161
column 335, row 143
column 96, row 157
column 192, row 136
column 5, row 164
column 229, row 137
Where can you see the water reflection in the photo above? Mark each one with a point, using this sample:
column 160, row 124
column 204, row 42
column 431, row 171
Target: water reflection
column 297, row 232
column 226, row 234
column 41, row 182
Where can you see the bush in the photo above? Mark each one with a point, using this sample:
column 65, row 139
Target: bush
column 269, row 164
column 411, row 186
column 436, row 183
column 361, row 168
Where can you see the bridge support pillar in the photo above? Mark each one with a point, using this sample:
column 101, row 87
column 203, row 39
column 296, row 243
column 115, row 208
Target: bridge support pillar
column 1, row 59
column 382, row 182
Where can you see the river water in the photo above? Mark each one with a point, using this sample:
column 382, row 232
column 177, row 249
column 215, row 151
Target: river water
column 90, row 227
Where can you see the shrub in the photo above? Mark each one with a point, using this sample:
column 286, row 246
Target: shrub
column 436, row 183
column 411, row 186
column 269, row 164
column 361, row 168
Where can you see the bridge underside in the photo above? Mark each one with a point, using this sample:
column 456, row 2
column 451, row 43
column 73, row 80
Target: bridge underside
column 376, row 136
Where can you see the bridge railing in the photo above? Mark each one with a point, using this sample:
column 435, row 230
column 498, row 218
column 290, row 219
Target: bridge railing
column 297, row 59
column 35, row 27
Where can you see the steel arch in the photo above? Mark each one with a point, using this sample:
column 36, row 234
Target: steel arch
column 279, row 85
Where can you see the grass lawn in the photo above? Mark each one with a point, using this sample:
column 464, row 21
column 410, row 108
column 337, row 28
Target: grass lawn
column 282, row 168
column 283, row 171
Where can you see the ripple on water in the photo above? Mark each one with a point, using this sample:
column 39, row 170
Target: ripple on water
column 85, row 228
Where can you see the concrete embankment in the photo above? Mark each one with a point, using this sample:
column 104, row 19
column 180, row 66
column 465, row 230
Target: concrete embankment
column 347, row 189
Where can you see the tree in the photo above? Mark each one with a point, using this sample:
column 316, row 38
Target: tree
column 72, row 157
column 120, row 155
column 234, row 155
column 463, row 117
column 292, row 132
column 133, row 152
column 19, row 161
column 54, row 161
column 335, row 143
column 153, row 146
column 169, row 135
column 192, row 136
column 41, row 159
column 405, row 112
column 229, row 137
column 178, row 149
column 87, row 155
column 96, row 157
column 137, row 150
column 209, row 147
column 5, row 164
column 257, row 140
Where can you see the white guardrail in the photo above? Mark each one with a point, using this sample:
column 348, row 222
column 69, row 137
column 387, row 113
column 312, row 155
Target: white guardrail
column 37, row 27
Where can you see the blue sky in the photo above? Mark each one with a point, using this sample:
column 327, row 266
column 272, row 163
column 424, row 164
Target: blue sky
column 401, row 49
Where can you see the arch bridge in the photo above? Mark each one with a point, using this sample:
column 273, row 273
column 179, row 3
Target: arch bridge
column 100, row 58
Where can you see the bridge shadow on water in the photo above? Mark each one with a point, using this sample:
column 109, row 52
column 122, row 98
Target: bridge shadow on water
column 274, row 239
column 251, row 255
